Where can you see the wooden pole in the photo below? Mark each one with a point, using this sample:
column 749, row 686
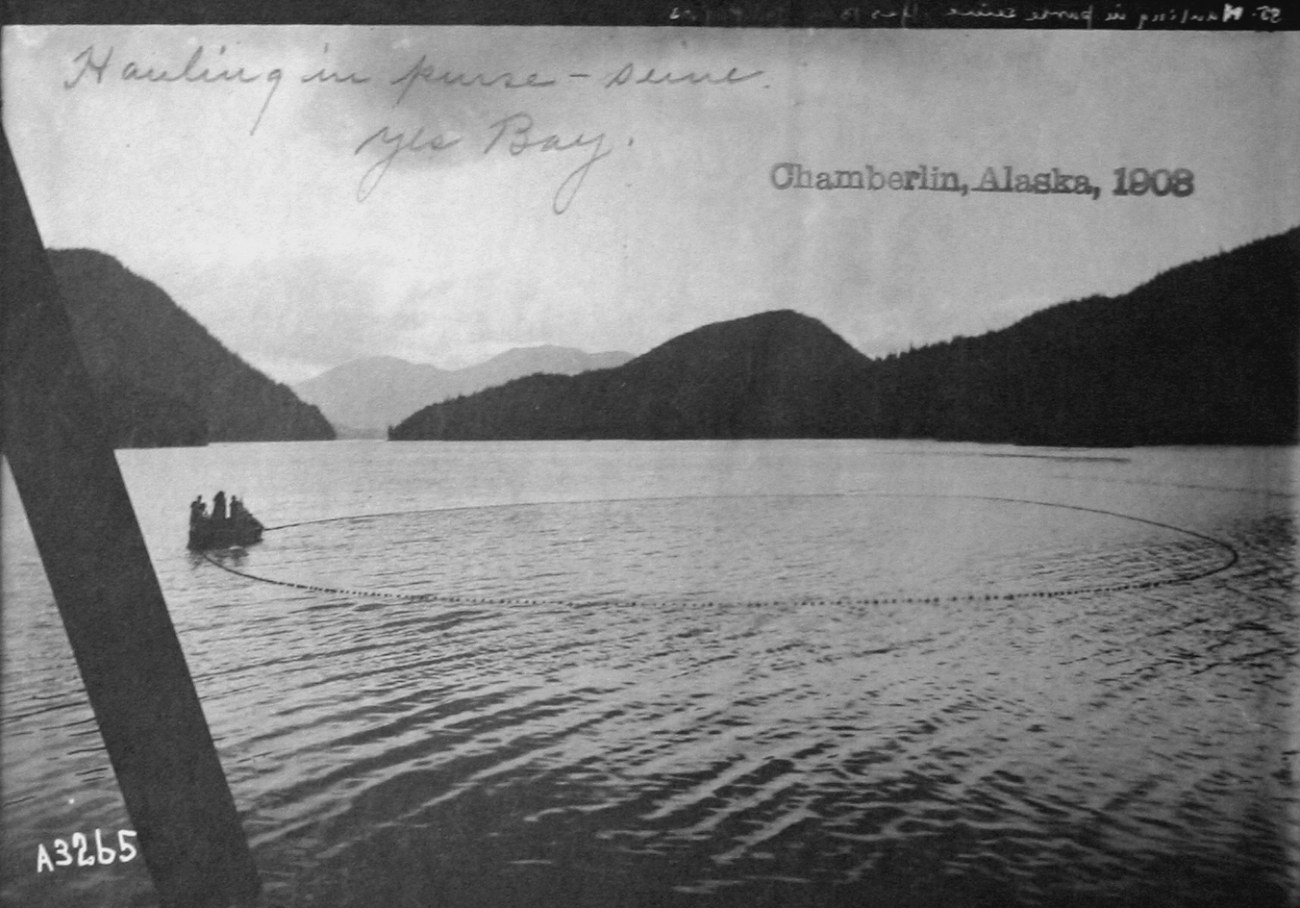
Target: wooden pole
column 104, row 584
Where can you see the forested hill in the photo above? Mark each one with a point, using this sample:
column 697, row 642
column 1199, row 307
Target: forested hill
column 1205, row 353
column 777, row 374
column 161, row 377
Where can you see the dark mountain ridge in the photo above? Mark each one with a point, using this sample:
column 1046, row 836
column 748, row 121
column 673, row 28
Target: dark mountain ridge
column 1205, row 353
column 777, row 374
column 161, row 377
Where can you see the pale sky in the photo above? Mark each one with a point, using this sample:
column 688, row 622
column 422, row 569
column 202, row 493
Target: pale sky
column 255, row 203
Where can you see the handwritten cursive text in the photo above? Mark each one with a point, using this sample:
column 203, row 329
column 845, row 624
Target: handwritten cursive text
column 519, row 128
column 629, row 75
column 194, row 71
column 429, row 74
column 400, row 144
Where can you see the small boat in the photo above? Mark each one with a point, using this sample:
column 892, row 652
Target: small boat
column 221, row 530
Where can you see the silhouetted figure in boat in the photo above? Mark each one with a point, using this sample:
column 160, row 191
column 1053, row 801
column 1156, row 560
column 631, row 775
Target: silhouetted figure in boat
column 221, row 529
column 240, row 516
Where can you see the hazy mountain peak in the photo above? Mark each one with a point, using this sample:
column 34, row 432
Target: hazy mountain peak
column 367, row 395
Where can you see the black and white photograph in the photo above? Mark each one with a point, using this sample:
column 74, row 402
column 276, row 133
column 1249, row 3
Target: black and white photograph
column 623, row 467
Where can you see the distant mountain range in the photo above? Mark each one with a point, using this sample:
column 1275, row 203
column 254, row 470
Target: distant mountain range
column 1206, row 353
column 162, row 379
column 366, row 396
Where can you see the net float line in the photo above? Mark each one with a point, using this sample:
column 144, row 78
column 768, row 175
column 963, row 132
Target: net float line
column 1232, row 557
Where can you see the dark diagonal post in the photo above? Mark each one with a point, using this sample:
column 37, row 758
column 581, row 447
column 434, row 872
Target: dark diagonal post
column 104, row 583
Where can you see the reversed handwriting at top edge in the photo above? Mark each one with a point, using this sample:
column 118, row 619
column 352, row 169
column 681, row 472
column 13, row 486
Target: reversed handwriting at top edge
column 1109, row 14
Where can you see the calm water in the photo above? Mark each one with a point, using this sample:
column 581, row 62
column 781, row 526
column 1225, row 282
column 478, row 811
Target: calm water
column 734, row 674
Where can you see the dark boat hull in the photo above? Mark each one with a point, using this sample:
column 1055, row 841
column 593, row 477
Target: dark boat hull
column 212, row 536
